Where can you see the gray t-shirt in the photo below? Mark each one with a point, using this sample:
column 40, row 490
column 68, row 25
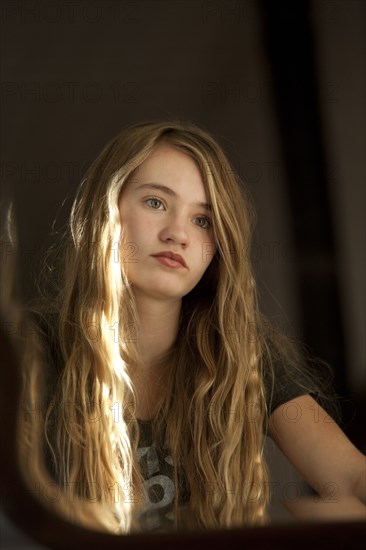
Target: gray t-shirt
column 155, row 461
column 157, row 465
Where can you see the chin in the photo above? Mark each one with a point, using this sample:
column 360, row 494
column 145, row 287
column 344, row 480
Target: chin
column 160, row 292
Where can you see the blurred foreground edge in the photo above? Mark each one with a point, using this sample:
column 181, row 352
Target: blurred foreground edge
column 34, row 520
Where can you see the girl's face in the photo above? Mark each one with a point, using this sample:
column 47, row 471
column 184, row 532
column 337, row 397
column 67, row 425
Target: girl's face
column 167, row 235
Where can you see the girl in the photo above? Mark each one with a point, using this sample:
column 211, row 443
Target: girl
column 165, row 377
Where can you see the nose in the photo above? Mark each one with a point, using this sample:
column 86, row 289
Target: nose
column 175, row 230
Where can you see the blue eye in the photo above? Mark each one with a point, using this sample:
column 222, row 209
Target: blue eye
column 154, row 203
column 206, row 223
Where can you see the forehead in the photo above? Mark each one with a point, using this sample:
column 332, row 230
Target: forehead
column 171, row 165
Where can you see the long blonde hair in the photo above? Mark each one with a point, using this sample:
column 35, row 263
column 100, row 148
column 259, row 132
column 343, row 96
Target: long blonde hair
column 213, row 413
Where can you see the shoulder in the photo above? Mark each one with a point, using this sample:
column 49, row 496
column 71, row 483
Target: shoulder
column 286, row 376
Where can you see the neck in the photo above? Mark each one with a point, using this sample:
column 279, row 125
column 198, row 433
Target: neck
column 158, row 327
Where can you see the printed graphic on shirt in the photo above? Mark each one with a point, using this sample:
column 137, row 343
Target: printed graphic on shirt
column 157, row 470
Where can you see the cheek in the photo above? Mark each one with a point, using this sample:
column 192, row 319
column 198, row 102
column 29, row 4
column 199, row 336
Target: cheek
column 129, row 224
column 129, row 240
column 137, row 234
column 203, row 262
column 207, row 253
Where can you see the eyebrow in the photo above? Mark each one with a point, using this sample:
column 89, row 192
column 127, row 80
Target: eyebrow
column 172, row 193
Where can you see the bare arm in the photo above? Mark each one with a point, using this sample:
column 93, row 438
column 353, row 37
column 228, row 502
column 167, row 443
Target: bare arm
column 321, row 452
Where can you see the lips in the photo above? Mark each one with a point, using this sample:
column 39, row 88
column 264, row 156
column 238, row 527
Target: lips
column 172, row 256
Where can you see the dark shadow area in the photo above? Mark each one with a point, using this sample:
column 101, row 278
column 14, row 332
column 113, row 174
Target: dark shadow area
column 254, row 74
